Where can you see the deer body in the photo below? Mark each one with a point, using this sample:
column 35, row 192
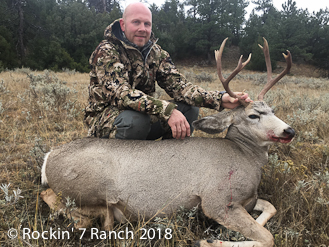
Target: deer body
column 136, row 178
column 133, row 179
column 138, row 175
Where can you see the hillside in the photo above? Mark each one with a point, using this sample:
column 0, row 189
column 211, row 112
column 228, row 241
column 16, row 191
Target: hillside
column 231, row 57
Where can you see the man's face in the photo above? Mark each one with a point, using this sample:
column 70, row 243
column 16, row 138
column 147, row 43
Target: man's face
column 137, row 25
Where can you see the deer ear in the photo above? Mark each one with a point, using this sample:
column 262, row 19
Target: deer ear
column 215, row 123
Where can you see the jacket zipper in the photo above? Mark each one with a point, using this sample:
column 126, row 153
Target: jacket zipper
column 145, row 58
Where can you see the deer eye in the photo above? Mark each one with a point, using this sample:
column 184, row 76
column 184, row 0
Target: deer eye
column 253, row 116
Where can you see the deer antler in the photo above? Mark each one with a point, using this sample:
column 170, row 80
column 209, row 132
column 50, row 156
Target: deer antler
column 225, row 82
column 270, row 81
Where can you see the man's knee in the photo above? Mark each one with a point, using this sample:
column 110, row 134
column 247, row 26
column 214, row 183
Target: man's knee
column 132, row 125
column 190, row 112
column 193, row 113
column 136, row 125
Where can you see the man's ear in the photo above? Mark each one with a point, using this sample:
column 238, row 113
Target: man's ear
column 122, row 24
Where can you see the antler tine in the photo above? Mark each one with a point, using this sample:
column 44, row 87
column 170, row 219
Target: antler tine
column 225, row 82
column 270, row 82
column 266, row 51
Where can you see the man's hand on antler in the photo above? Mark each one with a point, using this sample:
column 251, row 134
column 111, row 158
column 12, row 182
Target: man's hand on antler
column 230, row 102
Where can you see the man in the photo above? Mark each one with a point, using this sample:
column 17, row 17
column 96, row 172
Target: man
column 125, row 67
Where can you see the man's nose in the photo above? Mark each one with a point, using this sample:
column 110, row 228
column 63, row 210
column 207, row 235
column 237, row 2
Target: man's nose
column 142, row 27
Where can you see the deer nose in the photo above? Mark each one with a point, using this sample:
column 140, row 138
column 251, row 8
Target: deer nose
column 290, row 131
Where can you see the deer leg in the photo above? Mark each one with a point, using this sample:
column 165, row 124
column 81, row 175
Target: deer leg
column 85, row 214
column 267, row 209
column 109, row 219
column 81, row 215
column 238, row 219
column 49, row 197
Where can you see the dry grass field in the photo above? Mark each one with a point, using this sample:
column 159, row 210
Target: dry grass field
column 39, row 110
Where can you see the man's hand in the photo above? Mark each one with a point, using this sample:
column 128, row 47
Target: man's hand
column 230, row 103
column 180, row 128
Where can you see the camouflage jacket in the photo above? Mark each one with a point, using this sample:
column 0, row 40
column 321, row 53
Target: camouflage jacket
column 123, row 77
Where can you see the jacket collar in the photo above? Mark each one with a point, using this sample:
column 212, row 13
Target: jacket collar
column 113, row 31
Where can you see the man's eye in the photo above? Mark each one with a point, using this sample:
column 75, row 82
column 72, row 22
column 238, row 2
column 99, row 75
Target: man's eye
column 253, row 116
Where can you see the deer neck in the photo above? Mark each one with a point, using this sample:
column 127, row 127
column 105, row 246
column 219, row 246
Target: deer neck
column 248, row 145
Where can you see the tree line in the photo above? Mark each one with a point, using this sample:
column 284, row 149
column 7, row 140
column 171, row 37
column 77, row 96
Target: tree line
column 57, row 34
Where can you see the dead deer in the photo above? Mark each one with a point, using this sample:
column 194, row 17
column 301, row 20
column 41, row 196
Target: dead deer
column 131, row 179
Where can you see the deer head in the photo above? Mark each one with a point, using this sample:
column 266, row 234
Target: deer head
column 253, row 122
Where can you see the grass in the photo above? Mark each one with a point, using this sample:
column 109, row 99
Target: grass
column 39, row 110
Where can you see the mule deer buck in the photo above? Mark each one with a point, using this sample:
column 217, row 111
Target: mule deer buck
column 130, row 179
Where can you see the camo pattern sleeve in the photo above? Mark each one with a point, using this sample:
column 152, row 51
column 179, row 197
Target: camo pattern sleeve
column 176, row 85
column 111, row 86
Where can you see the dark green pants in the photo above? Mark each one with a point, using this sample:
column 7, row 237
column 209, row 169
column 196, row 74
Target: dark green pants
column 136, row 125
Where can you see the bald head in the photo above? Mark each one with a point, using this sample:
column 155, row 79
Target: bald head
column 136, row 23
column 136, row 7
